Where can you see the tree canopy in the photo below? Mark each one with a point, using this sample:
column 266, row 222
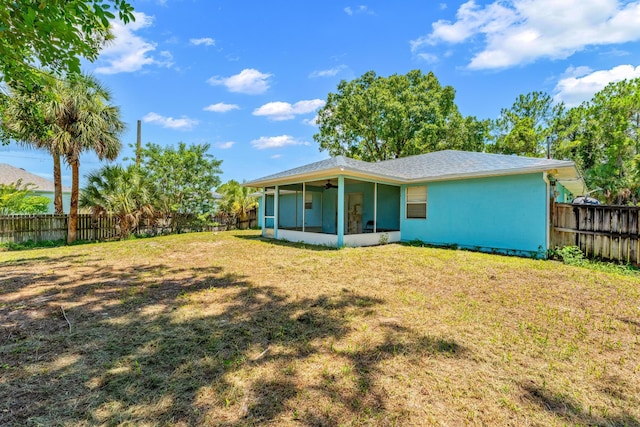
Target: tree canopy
column 377, row 118
column 24, row 118
column 54, row 34
column 523, row 128
column 185, row 177
column 609, row 133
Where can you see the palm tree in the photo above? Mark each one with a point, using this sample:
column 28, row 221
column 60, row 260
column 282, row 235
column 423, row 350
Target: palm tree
column 24, row 120
column 237, row 200
column 84, row 120
column 123, row 192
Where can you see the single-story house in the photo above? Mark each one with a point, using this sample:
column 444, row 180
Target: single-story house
column 488, row 202
column 39, row 185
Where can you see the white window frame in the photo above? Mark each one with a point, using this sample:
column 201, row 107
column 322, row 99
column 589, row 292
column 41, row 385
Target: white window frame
column 308, row 200
column 416, row 199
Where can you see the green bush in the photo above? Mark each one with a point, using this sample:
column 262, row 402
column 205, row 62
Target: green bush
column 30, row 244
column 571, row 255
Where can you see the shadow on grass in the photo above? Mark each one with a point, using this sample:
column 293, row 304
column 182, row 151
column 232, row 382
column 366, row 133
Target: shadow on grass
column 165, row 345
column 571, row 411
column 285, row 243
column 630, row 322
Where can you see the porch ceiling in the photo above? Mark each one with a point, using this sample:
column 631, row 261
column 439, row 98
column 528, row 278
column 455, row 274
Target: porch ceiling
column 317, row 183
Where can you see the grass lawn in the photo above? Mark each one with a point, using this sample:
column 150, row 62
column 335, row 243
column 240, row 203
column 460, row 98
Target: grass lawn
column 230, row 329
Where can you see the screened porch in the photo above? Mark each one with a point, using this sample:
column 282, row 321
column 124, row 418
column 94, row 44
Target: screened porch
column 336, row 211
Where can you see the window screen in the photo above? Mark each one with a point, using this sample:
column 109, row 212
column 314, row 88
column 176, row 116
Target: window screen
column 417, row 202
column 308, row 200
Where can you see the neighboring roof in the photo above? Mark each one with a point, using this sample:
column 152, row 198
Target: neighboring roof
column 11, row 174
column 436, row 166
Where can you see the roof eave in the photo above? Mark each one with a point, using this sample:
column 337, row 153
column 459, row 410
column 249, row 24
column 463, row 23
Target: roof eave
column 492, row 173
column 565, row 166
column 324, row 174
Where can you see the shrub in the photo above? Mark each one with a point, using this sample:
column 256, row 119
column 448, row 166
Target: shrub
column 571, row 255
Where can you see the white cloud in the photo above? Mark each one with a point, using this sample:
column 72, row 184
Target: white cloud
column 128, row 52
column 207, row 41
column 284, row 111
column 428, row 57
column 276, row 156
column 328, row 73
column 221, row 107
column 265, row 142
column 357, row 10
column 311, row 122
column 224, row 145
column 517, row 32
column 167, row 59
column 183, row 123
column 580, row 84
column 248, row 81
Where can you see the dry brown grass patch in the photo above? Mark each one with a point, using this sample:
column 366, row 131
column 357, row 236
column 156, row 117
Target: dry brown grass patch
column 230, row 329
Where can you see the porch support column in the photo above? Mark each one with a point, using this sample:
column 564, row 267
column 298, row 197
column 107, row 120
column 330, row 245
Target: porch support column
column 340, row 211
column 304, row 203
column 375, row 207
column 264, row 209
column 276, row 213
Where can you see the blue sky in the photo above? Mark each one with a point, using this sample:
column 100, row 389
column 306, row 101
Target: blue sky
column 248, row 77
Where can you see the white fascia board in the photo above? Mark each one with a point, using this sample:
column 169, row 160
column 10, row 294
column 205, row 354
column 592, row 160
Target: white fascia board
column 324, row 174
column 484, row 174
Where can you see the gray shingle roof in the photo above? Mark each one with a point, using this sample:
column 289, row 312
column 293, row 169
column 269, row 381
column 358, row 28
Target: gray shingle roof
column 439, row 165
column 442, row 164
column 338, row 162
column 11, row 174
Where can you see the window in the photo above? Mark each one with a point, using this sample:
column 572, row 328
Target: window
column 308, row 200
column 417, row 202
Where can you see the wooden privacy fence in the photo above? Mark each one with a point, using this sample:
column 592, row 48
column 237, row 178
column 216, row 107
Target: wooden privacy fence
column 251, row 221
column 22, row 228
column 600, row 231
column 38, row 228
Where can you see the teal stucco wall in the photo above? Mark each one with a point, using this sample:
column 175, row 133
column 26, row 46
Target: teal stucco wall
column 498, row 214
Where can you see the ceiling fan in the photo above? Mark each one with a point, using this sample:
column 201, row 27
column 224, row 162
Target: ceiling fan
column 329, row 185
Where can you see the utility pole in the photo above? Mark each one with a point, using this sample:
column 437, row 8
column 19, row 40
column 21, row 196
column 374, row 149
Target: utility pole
column 139, row 143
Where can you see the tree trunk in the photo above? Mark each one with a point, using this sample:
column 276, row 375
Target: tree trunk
column 73, row 210
column 57, row 183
